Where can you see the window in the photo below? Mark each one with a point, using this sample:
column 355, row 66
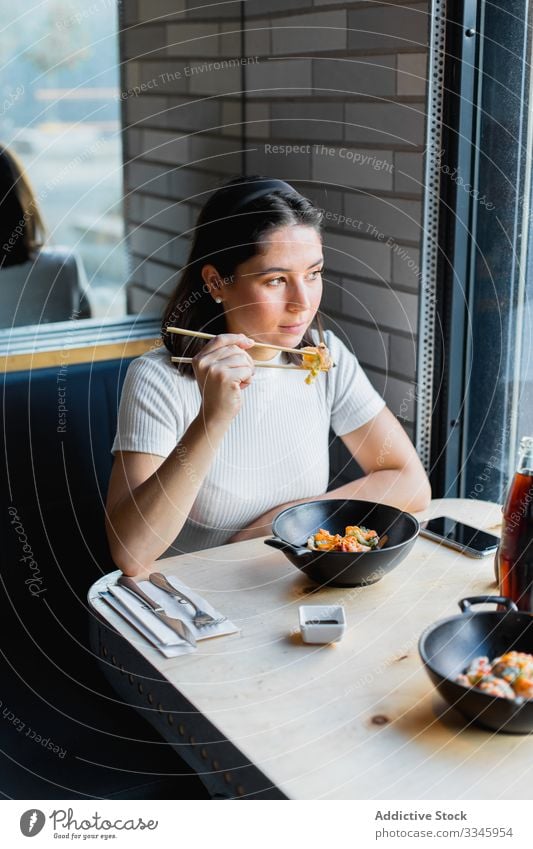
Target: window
column 60, row 110
column 485, row 399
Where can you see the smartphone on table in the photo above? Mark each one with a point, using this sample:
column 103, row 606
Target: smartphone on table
column 465, row 538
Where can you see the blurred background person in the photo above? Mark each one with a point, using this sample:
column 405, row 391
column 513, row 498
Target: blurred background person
column 38, row 284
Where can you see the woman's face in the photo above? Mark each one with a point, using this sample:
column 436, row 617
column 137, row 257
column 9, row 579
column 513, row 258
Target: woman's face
column 275, row 294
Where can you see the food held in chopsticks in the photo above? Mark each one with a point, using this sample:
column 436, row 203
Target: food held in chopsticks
column 356, row 539
column 509, row 676
column 316, row 359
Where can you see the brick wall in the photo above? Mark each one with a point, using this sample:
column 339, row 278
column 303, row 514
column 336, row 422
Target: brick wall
column 330, row 96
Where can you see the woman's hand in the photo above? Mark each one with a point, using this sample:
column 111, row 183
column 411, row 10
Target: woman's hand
column 223, row 368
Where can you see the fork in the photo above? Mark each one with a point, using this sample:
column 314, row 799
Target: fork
column 200, row 618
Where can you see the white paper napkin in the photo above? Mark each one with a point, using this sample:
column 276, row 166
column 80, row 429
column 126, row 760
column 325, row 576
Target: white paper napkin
column 181, row 647
column 163, row 637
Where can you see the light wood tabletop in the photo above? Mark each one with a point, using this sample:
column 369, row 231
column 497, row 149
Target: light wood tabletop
column 355, row 720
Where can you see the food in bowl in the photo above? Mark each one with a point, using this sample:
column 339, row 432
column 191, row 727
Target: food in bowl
column 509, row 676
column 356, row 538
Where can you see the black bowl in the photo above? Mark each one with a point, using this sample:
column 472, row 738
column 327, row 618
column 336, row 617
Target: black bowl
column 449, row 646
column 293, row 526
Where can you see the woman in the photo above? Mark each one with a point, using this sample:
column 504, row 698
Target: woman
column 209, row 453
column 37, row 284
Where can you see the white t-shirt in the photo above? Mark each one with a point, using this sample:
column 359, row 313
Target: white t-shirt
column 275, row 450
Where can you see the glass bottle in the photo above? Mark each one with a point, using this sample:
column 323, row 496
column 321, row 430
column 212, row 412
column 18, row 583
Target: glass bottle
column 515, row 552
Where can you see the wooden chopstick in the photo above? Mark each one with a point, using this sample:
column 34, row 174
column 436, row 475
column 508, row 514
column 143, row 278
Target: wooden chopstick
column 200, row 335
column 258, row 363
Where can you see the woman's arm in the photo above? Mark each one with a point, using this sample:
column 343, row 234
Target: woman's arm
column 393, row 473
column 392, row 469
column 150, row 497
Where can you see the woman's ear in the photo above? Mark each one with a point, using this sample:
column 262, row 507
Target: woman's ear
column 212, row 282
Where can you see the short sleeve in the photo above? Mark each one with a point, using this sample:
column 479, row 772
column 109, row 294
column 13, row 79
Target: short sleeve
column 149, row 417
column 355, row 401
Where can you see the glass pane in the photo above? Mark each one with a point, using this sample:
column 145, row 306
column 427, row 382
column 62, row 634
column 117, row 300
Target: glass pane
column 60, row 111
column 499, row 407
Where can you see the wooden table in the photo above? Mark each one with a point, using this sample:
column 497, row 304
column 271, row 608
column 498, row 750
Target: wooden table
column 261, row 714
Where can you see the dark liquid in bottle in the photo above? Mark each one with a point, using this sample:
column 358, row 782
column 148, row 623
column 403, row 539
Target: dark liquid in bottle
column 515, row 554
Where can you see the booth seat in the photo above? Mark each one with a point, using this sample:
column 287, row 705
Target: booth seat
column 59, row 424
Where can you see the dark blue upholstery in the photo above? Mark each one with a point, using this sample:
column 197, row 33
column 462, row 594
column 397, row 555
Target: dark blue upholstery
column 53, row 487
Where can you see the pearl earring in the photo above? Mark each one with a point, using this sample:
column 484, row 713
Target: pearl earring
column 218, row 300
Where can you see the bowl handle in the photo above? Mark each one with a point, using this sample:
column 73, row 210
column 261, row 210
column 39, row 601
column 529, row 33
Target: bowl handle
column 276, row 542
column 466, row 603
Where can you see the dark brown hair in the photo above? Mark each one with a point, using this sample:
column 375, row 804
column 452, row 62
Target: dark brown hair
column 227, row 233
column 21, row 225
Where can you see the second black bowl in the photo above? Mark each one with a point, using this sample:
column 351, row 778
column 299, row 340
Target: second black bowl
column 293, row 526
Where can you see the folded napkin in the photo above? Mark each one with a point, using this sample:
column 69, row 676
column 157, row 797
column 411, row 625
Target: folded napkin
column 160, row 635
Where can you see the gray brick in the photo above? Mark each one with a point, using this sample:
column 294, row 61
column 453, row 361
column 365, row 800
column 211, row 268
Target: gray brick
column 258, row 37
column 214, row 10
column 400, row 398
column 135, row 207
column 131, row 74
column 400, row 219
column 257, row 7
column 165, row 10
column 309, row 33
column 277, row 78
column 231, row 120
column 230, row 39
column 332, row 293
column 406, row 267
column 412, row 73
column 354, row 168
column 294, row 167
column 185, row 114
column 378, row 381
column 148, row 177
column 408, row 172
column 146, row 109
column 132, row 145
column 128, row 13
column 258, row 121
column 157, row 245
column 158, row 277
column 370, row 345
column 403, row 354
column 213, row 76
column 388, row 28
column 193, row 185
column 359, row 257
column 166, row 147
column 373, row 76
column 309, row 121
column 144, row 42
column 389, row 309
column 174, row 217
column 324, row 198
column 399, row 395
column 162, row 78
column 409, row 429
column 386, row 123
column 148, row 243
column 216, row 154
column 197, row 39
column 141, row 302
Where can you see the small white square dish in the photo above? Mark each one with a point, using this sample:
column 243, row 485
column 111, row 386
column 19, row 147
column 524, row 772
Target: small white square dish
column 322, row 623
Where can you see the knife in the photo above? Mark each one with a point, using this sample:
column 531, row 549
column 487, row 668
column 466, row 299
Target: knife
column 176, row 624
